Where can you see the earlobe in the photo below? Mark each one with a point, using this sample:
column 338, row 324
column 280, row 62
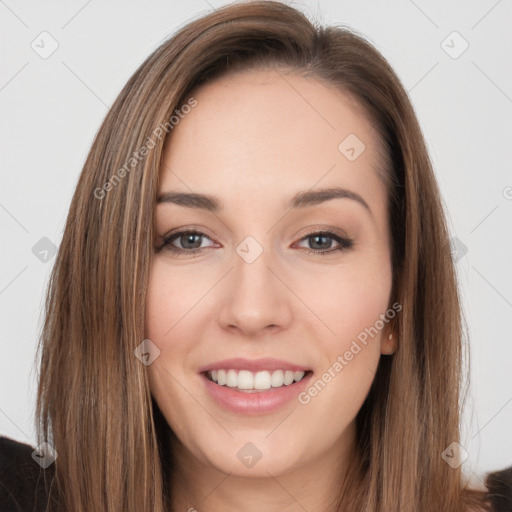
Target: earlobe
column 389, row 344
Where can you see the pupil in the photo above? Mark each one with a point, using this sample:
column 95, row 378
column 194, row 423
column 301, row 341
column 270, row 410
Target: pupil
column 190, row 238
column 321, row 237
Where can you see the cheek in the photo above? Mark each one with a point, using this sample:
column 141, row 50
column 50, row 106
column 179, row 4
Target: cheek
column 172, row 295
column 174, row 320
column 353, row 305
column 165, row 318
column 170, row 299
column 348, row 300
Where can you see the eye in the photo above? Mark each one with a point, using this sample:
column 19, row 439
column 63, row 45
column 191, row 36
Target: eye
column 189, row 240
column 322, row 242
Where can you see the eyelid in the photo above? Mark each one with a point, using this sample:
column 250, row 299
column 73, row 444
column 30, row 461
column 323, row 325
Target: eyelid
column 315, row 228
column 185, row 229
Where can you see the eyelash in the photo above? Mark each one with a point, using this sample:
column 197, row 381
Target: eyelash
column 344, row 243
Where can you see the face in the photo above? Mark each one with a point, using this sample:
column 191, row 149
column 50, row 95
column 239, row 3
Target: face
column 290, row 298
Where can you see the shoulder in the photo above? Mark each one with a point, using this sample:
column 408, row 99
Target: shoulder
column 497, row 489
column 499, row 485
column 22, row 479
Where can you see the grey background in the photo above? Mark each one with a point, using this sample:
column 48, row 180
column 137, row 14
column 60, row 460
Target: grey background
column 52, row 107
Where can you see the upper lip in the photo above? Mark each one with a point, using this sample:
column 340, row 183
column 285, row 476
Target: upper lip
column 253, row 365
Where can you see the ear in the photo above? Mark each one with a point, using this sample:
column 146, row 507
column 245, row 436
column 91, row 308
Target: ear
column 389, row 342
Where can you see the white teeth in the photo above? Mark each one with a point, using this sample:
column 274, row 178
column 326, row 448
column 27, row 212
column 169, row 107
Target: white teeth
column 277, row 378
column 232, row 379
column 262, row 380
column 298, row 376
column 221, row 377
column 246, row 380
column 288, row 377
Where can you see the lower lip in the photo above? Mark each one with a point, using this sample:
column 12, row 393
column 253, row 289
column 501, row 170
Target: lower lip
column 261, row 402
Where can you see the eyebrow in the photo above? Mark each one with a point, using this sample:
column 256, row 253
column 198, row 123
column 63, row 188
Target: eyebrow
column 299, row 200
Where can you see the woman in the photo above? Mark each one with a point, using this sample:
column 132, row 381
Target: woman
column 255, row 369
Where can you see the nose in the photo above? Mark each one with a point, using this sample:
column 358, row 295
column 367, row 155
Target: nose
column 255, row 299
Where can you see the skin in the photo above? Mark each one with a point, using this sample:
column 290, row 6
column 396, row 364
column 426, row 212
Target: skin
column 253, row 140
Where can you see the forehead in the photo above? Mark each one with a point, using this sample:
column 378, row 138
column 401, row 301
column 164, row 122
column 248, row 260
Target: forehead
column 264, row 130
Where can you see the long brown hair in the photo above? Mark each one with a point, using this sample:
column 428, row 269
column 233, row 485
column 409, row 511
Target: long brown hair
column 94, row 405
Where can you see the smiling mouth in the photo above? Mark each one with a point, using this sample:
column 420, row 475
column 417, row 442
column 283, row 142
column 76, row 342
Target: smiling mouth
column 255, row 382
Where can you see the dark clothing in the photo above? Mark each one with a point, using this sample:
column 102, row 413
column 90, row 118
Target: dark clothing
column 22, row 479
column 499, row 487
